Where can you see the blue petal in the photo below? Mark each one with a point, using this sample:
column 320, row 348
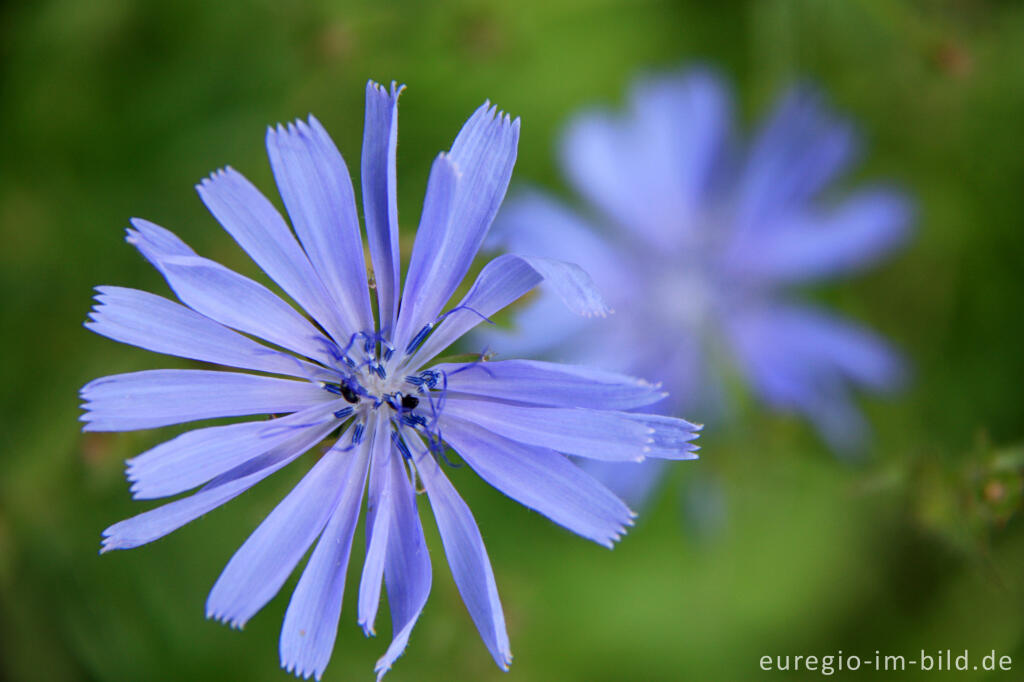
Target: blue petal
column 484, row 153
column 259, row 229
column 378, row 523
column 653, row 170
column 813, row 245
column 634, row 482
column 801, row 149
column 143, row 400
column 551, row 384
column 803, row 360
column 542, row 480
column 152, row 322
column 317, row 191
column 407, row 571
column 467, row 557
column 261, row 565
column 223, row 295
column 156, row 523
column 380, row 201
column 419, row 298
column 574, row 431
column 501, row 282
column 196, row 456
column 311, row 621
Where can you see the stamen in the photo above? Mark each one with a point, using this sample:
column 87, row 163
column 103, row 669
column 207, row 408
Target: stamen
column 418, row 340
column 357, row 433
column 400, row 444
column 344, row 412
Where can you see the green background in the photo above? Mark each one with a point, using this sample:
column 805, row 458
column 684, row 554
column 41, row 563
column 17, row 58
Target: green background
column 767, row 545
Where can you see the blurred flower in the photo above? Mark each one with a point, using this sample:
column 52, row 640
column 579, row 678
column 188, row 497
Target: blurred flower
column 696, row 241
column 509, row 420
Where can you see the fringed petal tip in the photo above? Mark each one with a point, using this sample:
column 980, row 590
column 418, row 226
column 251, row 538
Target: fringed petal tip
column 303, row 671
column 394, row 91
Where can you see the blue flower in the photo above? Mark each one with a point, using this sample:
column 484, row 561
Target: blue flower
column 336, row 369
column 698, row 238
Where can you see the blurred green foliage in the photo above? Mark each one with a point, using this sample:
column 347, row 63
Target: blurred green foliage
column 111, row 108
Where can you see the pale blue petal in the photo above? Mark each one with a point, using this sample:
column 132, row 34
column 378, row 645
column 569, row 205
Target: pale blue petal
column 799, row 151
column 380, row 200
column 317, row 191
column 573, row 431
column 542, row 480
column 143, row 400
column 826, row 243
column 197, row 456
column 311, row 621
column 501, row 282
column 259, row 229
column 152, row 322
column 419, row 293
column 378, row 522
column 634, row 482
column 156, row 523
column 805, row 360
column 467, row 558
column 552, row 384
column 483, row 155
column 652, row 170
column 407, row 571
column 261, row 565
column 236, row 301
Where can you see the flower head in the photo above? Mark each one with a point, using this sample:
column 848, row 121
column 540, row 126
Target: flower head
column 698, row 239
column 397, row 408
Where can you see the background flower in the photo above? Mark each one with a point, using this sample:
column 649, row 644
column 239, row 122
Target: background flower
column 700, row 237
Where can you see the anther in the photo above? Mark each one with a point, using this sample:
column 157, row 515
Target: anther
column 357, row 433
column 400, row 444
column 343, row 412
column 418, row 340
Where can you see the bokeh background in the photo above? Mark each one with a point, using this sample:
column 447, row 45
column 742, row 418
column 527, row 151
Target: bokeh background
column 767, row 545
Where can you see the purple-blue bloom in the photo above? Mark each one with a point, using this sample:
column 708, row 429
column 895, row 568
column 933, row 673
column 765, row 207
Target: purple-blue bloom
column 333, row 366
column 697, row 237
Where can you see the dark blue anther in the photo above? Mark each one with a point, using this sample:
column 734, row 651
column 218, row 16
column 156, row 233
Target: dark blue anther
column 333, row 388
column 343, row 412
column 418, row 340
column 388, row 351
column 349, row 361
column 414, row 380
column 400, row 444
column 414, row 419
column 378, row 369
column 357, row 433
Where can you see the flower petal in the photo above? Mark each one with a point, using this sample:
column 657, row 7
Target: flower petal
column 830, row 243
column 652, row 170
column 484, row 152
column 799, row 151
column 197, row 456
column 407, row 570
column 156, row 523
column 223, row 295
column 152, row 322
column 311, row 621
column 467, row 557
column 259, row 229
column 317, row 191
column 419, row 304
column 501, row 282
column 542, row 480
column 380, row 201
column 378, row 522
column 574, row 431
column 551, row 384
column 801, row 359
column 143, row 400
column 261, row 565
